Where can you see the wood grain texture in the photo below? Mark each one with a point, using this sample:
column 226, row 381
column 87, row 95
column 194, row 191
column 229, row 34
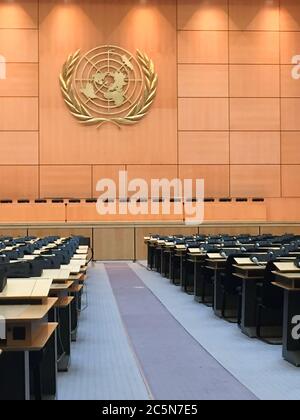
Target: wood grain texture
column 255, row 114
column 290, row 184
column 254, row 15
column 202, row 81
column 254, row 81
column 290, row 151
column 19, row 182
column 216, row 178
column 290, row 15
column 20, row 14
column 210, row 47
column 255, row 180
column 289, row 46
column 19, row 114
column 66, row 181
column 203, row 147
column 21, row 80
column 114, row 244
column 18, row 148
column 254, row 47
column 210, row 114
column 255, row 148
column 19, row 45
column 290, row 114
column 202, row 15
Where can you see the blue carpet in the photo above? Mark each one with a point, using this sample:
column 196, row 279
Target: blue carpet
column 258, row 366
column 103, row 365
column 175, row 365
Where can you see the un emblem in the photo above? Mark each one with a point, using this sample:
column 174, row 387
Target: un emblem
column 108, row 85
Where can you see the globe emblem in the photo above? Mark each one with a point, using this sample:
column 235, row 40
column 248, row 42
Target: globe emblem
column 108, row 81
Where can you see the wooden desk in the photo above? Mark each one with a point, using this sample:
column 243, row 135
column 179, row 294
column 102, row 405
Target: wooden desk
column 288, row 280
column 30, row 346
column 217, row 265
column 198, row 260
column 250, row 275
column 62, row 315
column 22, row 289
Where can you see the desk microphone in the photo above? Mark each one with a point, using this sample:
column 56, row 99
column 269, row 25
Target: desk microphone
column 255, row 261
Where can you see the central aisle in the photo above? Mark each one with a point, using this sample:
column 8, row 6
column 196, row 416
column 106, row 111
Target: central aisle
column 175, row 365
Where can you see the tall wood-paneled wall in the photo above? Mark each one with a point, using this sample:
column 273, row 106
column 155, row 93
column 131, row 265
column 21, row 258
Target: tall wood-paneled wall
column 227, row 107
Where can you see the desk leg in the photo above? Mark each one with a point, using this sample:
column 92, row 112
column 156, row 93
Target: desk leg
column 74, row 317
column 248, row 322
column 65, row 338
column 196, row 291
column 291, row 345
column 27, row 376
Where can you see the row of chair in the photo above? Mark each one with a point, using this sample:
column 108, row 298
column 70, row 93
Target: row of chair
column 183, row 259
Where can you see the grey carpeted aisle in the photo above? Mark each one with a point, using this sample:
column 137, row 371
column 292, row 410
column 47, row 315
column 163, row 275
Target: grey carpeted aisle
column 175, row 365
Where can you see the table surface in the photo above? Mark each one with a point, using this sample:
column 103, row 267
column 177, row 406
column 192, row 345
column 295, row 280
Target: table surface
column 15, row 313
column 32, row 288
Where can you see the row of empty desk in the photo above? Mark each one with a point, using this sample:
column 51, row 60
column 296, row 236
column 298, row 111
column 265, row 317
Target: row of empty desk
column 40, row 305
column 251, row 281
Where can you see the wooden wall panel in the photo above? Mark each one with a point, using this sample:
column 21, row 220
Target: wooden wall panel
column 63, row 232
column 216, row 178
column 198, row 147
column 255, row 114
column 18, row 148
column 289, row 86
column 242, row 212
column 66, row 181
column 207, row 47
column 254, row 15
column 202, row 15
column 290, row 114
column 258, row 148
column 19, row 14
column 223, row 45
column 254, row 47
column 18, row 182
column 289, row 46
column 290, row 183
column 290, row 15
column 255, row 180
column 149, row 172
column 19, row 45
column 21, row 80
column 106, row 172
column 141, row 232
column 254, row 81
column 32, row 213
column 19, row 114
column 283, row 209
column 202, row 80
column 290, row 150
column 232, row 230
column 209, row 114
column 114, row 244
column 13, row 232
column 131, row 25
